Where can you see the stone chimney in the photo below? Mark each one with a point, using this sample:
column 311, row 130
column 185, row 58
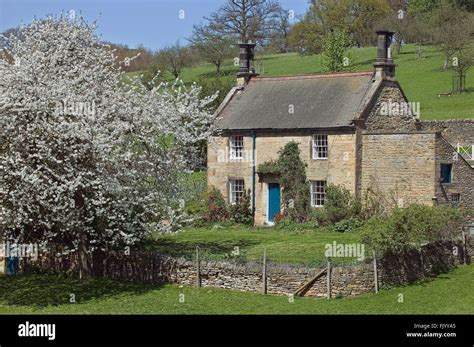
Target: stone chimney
column 384, row 66
column 246, row 63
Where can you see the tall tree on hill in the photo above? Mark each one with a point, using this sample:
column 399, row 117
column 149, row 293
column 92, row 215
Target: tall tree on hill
column 212, row 46
column 452, row 29
column 355, row 17
column 85, row 163
column 306, row 36
column 464, row 60
column 279, row 32
column 244, row 20
column 335, row 53
column 174, row 59
column 422, row 9
column 405, row 26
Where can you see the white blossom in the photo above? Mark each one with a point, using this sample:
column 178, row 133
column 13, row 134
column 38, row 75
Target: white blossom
column 82, row 153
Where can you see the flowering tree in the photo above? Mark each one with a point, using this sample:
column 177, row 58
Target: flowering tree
column 88, row 161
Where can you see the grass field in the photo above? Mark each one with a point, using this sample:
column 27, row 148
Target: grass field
column 282, row 246
column 421, row 79
column 24, row 294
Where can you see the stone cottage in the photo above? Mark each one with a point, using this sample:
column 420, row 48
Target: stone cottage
column 354, row 129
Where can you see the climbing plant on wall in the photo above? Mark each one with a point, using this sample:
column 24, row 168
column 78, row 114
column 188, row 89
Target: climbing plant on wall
column 291, row 171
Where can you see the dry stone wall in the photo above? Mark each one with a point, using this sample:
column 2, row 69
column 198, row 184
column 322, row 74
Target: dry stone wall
column 281, row 279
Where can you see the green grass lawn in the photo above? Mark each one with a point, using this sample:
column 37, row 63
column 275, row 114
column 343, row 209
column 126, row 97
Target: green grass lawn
column 421, row 79
column 282, row 246
column 48, row 294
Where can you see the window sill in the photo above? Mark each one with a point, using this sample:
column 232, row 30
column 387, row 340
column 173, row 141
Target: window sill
column 320, row 158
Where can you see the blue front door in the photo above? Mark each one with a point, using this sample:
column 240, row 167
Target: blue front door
column 273, row 200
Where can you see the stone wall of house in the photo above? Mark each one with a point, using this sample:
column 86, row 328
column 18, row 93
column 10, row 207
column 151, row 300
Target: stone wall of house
column 393, row 269
column 339, row 168
column 386, row 115
column 453, row 130
column 462, row 175
column 399, row 168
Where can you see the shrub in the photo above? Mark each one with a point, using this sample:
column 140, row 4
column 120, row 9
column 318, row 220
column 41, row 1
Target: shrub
column 339, row 205
column 410, row 227
column 374, row 204
column 216, row 209
column 241, row 212
column 346, row 225
column 296, row 190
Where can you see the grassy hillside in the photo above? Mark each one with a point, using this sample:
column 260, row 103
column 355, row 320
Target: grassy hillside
column 23, row 294
column 421, row 79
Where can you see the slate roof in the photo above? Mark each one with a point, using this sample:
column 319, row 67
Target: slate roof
column 319, row 101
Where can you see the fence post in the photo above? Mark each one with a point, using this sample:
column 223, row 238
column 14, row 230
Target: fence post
column 198, row 268
column 376, row 276
column 264, row 272
column 328, row 284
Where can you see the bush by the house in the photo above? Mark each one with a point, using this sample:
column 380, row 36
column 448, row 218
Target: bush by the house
column 411, row 227
column 347, row 225
column 217, row 210
column 295, row 185
column 339, row 205
column 216, row 207
column 240, row 212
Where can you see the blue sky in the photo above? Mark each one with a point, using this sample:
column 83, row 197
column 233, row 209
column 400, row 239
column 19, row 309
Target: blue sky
column 153, row 23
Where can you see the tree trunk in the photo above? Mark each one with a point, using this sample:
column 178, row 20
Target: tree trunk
column 446, row 62
column 83, row 258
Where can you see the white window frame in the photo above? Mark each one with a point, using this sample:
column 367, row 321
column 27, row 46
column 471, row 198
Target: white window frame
column 319, row 195
column 236, row 146
column 320, row 147
column 236, row 190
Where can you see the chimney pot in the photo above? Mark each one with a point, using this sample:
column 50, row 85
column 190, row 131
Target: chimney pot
column 246, row 61
column 384, row 64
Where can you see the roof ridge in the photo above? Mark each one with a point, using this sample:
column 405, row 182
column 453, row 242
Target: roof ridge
column 311, row 76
